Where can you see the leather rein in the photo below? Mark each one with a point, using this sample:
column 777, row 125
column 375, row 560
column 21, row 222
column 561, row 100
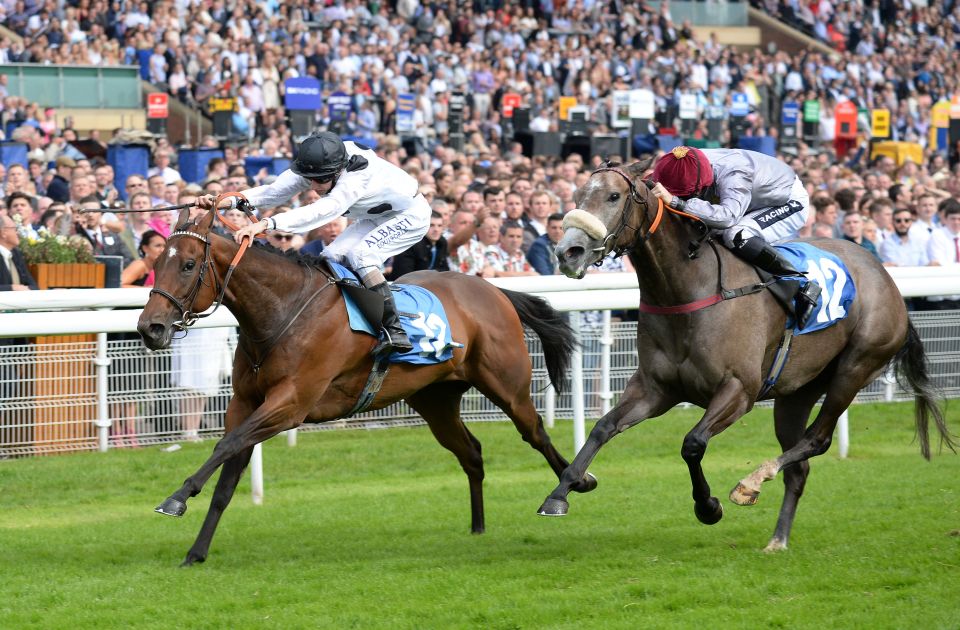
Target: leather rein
column 187, row 315
column 609, row 244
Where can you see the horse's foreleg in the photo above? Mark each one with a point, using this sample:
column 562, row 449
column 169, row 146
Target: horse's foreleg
column 726, row 407
column 229, row 478
column 279, row 412
column 635, row 406
column 237, row 411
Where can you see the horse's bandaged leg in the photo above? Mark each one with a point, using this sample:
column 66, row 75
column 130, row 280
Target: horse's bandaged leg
column 748, row 490
column 591, row 225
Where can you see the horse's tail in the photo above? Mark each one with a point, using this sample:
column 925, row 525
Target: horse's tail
column 911, row 367
column 551, row 326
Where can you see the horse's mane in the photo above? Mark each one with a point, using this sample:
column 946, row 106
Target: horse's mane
column 292, row 255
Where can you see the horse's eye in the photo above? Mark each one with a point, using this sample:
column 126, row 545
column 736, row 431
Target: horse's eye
column 189, row 265
column 614, row 197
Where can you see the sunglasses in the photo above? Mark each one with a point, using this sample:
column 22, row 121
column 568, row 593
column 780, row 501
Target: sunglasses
column 283, row 237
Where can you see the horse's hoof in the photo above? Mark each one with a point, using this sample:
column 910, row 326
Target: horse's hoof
column 554, row 507
column 775, row 545
column 190, row 560
column 742, row 495
column 588, row 483
column 171, row 507
column 710, row 512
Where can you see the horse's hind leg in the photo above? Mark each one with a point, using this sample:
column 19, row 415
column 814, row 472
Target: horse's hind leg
column 439, row 405
column 513, row 397
column 726, row 407
column 230, row 475
column 852, row 373
column 790, row 414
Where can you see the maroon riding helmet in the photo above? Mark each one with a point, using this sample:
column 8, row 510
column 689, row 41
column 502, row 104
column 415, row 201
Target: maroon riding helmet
column 684, row 171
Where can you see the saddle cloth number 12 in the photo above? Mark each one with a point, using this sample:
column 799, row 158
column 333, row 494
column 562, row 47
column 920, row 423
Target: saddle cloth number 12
column 434, row 330
column 832, row 280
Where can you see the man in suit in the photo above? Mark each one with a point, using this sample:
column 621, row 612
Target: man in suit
column 104, row 242
column 15, row 427
column 14, row 275
column 430, row 253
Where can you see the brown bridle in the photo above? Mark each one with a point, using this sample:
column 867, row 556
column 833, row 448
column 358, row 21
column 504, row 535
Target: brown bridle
column 187, row 316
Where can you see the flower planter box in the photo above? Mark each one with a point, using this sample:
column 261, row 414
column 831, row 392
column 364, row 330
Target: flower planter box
column 66, row 389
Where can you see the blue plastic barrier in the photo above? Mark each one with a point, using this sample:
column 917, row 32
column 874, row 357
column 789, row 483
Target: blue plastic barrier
column 667, row 143
column 13, row 153
column 274, row 166
column 127, row 160
column 192, row 163
column 760, row 144
column 368, row 141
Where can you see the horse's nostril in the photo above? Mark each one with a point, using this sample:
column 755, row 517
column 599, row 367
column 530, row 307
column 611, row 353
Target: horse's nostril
column 573, row 253
column 156, row 331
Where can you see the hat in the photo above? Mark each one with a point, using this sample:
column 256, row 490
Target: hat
column 684, row 171
column 65, row 160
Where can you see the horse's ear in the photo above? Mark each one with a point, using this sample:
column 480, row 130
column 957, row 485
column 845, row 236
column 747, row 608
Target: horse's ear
column 183, row 218
column 206, row 221
column 639, row 168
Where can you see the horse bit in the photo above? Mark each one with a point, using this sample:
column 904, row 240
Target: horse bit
column 608, row 242
column 187, row 316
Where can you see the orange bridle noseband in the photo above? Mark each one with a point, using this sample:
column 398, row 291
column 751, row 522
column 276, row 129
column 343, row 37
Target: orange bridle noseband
column 613, row 237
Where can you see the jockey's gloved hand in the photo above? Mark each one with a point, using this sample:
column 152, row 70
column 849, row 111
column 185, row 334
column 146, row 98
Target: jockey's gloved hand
column 245, row 206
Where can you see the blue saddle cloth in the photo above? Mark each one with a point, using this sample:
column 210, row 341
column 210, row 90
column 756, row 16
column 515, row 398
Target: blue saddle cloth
column 828, row 271
column 421, row 314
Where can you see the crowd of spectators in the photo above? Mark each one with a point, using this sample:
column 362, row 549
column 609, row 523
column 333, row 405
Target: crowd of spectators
column 497, row 210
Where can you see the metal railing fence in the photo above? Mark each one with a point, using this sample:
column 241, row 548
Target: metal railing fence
column 49, row 393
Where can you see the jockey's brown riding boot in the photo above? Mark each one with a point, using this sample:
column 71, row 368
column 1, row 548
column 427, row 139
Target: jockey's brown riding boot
column 394, row 338
column 758, row 252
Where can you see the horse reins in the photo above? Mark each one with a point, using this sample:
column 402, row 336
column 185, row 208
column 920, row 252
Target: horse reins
column 609, row 242
column 679, row 309
column 187, row 316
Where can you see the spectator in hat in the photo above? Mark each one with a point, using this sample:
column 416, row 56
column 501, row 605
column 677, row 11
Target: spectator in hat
column 91, row 225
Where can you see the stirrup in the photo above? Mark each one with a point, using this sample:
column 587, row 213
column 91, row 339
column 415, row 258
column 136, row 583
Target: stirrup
column 396, row 343
column 806, row 303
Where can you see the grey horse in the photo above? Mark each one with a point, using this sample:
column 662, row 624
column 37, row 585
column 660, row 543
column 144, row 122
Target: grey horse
column 718, row 356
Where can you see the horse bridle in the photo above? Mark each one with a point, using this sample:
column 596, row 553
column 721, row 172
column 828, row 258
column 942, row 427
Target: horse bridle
column 612, row 237
column 187, row 316
column 608, row 242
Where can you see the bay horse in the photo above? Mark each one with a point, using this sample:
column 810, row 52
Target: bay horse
column 703, row 348
column 300, row 362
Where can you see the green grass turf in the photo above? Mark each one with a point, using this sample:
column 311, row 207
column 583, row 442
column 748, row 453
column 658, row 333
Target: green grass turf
column 370, row 529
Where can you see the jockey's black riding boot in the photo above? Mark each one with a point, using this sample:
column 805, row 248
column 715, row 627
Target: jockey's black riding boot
column 758, row 252
column 394, row 338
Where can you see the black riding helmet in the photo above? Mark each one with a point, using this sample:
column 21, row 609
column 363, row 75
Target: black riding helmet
column 321, row 156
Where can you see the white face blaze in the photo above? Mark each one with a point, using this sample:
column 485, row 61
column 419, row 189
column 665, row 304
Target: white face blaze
column 171, row 252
